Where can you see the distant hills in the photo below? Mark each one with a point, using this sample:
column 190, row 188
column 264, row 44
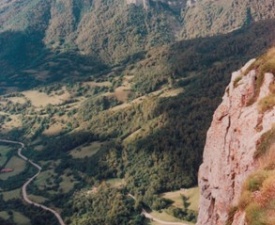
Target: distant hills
column 128, row 89
column 114, row 30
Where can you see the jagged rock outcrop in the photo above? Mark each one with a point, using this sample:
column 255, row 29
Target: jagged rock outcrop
column 232, row 140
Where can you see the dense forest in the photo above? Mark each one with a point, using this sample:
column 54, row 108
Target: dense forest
column 153, row 142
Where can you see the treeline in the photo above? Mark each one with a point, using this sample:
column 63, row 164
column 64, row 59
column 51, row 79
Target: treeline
column 104, row 205
column 36, row 215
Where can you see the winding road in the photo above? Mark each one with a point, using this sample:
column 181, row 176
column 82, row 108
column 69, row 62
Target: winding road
column 151, row 217
column 56, row 214
column 24, row 187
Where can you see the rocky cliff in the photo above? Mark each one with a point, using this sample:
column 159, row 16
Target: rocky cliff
column 239, row 124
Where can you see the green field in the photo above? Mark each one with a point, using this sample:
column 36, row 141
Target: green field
column 192, row 194
column 18, row 165
column 45, row 179
column 38, row 199
column 9, row 195
column 4, row 215
column 165, row 217
column 86, row 151
column 16, row 217
column 4, row 150
column 67, row 183
column 116, row 182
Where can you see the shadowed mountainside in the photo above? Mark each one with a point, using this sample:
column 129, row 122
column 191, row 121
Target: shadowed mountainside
column 114, row 30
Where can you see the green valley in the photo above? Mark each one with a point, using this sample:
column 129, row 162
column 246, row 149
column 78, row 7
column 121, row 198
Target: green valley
column 109, row 101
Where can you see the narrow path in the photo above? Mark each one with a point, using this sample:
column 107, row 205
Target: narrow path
column 24, row 187
column 151, row 217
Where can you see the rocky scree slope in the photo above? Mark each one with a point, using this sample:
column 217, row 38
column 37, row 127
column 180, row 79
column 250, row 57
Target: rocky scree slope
column 238, row 140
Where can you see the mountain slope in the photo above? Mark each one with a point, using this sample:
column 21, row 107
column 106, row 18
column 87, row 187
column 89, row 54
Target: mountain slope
column 142, row 123
column 207, row 17
column 115, row 30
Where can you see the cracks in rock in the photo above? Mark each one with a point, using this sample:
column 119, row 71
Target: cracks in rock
column 230, row 158
column 211, row 208
column 227, row 129
column 259, row 125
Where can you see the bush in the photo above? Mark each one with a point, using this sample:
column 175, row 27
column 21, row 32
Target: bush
column 266, row 141
column 235, row 82
column 245, row 199
column 264, row 64
column 255, row 181
column 266, row 103
column 255, row 215
column 257, row 198
column 161, row 203
column 268, row 189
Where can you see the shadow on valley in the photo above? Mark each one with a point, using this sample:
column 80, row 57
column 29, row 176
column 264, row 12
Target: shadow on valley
column 27, row 63
column 166, row 150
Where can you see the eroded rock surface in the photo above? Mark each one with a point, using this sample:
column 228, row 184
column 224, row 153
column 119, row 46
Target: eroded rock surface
column 231, row 142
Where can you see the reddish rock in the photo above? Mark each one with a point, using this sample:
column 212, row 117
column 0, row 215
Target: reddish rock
column 229, row 149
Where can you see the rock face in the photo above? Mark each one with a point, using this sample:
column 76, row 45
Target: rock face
column 171, row 3
column 144, row 3
column 231, row 142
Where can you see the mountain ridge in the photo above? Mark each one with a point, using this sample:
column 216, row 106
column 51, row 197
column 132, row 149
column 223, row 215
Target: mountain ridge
column 114, row 30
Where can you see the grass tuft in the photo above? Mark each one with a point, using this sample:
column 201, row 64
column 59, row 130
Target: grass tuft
column 255, row 181
column 245, row 199
column 266, row 103
column 264, row 64
column 266, row 141
column 236, row 81
column 257, row 198
column 255, row 214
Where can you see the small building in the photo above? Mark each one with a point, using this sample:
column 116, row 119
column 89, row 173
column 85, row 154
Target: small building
column 6, row 170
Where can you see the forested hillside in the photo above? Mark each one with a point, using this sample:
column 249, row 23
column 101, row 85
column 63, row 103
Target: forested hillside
column 112, row 31
column 138, row 127
column 110, row 100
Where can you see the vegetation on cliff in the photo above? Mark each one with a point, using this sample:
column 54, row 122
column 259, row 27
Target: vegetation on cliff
column 257, row 192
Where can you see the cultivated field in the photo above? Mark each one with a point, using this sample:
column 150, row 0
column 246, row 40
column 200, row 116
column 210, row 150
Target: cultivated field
column 18, row 165
column 192, row 194
column 9, row 195
column 16, row 217
column 4, row 150
column 86, row 151
column 176, row 196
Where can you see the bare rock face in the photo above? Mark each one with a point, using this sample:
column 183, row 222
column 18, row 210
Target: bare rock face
column 231, row 142
column 144, row 3
column 178, row 4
